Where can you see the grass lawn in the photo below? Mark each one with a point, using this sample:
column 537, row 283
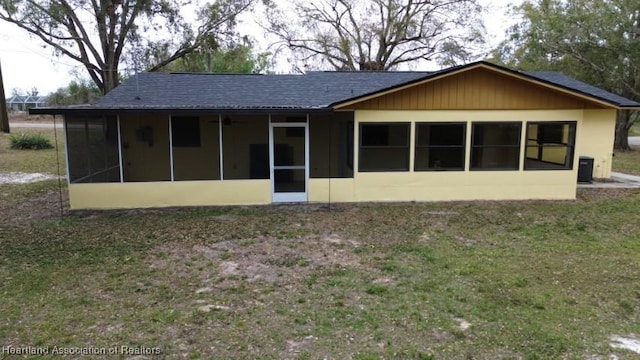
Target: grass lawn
column 43, row 161
column 627, row 161
column 466, row 280
column 478, row 280
column 30, row 161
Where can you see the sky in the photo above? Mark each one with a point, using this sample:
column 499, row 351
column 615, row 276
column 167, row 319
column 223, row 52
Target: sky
column 27, row 64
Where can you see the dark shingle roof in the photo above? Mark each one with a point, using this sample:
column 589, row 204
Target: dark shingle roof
column 313, row 90
column 572, row 84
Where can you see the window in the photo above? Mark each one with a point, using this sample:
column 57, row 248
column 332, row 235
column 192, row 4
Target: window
column 185, row 131
column 384, row 147
column 440, row 146
column 550, row 145
column 495, row 146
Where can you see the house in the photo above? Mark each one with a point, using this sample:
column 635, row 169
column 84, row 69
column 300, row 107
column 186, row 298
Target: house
column 25, row 102
column 478, row 131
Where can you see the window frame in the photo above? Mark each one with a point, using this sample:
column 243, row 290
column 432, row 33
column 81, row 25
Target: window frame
column 407, row 146
column 571, row 146
column 463, row 146
column 518, row 146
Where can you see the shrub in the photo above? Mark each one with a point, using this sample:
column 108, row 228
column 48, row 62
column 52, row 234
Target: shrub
column 30, row 141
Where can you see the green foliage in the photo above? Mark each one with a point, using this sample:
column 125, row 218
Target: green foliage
column 217, row 21
column 236, row 59
column 77, row 92
column 596, row 41
column 29, row 142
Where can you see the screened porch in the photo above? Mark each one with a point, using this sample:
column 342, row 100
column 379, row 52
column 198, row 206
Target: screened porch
column 289, row 149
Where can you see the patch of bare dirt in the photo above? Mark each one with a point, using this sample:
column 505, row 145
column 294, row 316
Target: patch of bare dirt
column 263, row 259
column 597, row 194
column 24, row 117
column 40, row 206
column 298, row 345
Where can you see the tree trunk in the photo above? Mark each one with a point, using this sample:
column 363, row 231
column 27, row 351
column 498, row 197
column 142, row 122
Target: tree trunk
column 623, row 123
column 109, row 79
column 4, row 117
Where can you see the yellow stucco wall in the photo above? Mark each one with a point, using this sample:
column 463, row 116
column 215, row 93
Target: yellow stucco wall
column 163, row 194
column 595, row 138
column 332, row 190
column 475, row 185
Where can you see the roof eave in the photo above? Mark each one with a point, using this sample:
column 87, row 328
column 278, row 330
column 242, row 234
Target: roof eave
column 629, row 107
column 94, row 110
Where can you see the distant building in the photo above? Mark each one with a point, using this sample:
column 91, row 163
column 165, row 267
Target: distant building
column 26, row 102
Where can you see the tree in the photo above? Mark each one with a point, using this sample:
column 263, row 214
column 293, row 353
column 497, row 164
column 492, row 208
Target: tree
column 379, row 34
column 596, row 41
column 102, row 34
column 239, row 59
column 4, row 117
column 79, row 91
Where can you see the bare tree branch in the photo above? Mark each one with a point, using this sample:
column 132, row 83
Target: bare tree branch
column 98, row 33
column 378, row 34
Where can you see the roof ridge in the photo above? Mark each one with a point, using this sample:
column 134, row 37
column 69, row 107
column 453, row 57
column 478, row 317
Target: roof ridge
column 372, row 71
column 209, row 73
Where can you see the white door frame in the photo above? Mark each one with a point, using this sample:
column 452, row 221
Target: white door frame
column 289, row 196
